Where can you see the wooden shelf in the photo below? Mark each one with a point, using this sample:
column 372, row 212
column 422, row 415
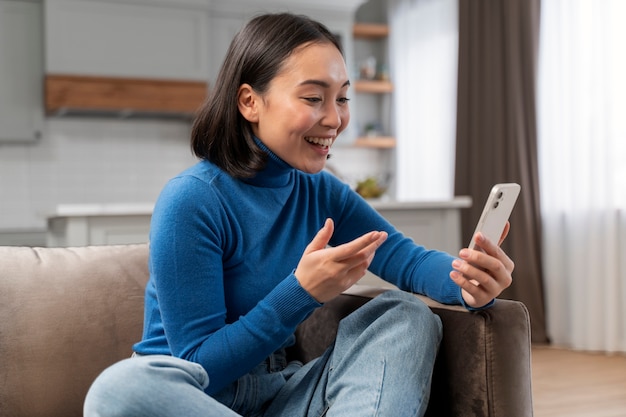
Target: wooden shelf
column 370, row 30
column 373, row 86
column 380, row 142
column 73, row 92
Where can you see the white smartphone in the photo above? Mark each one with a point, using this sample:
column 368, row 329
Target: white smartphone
column 496, row 212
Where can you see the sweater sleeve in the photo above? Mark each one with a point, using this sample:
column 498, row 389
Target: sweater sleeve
column 400, row 261
column 186, row 261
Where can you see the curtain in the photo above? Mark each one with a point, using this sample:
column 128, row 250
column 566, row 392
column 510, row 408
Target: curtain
column 496, row 134
column 423, row 44
column 582, row 136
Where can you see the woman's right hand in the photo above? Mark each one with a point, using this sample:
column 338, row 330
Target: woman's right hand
column 326, row 272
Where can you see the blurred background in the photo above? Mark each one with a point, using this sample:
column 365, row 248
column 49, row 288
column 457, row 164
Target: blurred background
column 449, row 97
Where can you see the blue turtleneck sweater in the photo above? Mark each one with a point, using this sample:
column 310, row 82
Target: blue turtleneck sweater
column 222, row 292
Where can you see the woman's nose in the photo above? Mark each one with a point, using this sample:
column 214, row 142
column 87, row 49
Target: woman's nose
column 332, row 116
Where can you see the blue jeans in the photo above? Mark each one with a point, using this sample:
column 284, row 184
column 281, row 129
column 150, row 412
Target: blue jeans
column 380, row 365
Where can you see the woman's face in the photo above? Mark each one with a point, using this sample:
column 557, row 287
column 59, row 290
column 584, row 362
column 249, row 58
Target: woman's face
column 304, row 109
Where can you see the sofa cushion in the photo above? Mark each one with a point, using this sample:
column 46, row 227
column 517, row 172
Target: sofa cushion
column 61, row 309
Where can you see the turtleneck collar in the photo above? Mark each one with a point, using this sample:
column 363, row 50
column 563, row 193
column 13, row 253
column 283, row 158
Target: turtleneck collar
column 277, row 173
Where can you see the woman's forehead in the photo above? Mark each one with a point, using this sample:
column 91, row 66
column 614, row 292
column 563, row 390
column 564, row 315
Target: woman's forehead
column 315, row 61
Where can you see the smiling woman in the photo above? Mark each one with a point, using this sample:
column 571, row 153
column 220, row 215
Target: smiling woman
column 246, row 78
column 250, row 241
column 300, row 120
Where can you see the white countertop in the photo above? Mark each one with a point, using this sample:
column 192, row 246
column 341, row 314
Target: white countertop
column 456, row 202
column 135, row 209
column 86, row 210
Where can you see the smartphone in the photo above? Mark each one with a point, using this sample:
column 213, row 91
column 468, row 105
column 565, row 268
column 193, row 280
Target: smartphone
column 496, row 212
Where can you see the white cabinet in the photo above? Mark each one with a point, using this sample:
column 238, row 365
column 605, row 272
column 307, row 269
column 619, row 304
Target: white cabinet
column 105, row 224
column 432, row 224
column 105, row 38
column 223, row 27
column 21, row 71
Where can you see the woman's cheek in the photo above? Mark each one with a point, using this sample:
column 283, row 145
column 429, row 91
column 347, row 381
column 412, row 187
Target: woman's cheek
column 345, row 120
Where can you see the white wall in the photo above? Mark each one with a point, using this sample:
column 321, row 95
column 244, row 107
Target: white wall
column 424, row 49
column 89, row 160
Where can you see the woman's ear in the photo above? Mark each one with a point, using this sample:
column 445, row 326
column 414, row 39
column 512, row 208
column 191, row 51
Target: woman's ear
column 247, row 102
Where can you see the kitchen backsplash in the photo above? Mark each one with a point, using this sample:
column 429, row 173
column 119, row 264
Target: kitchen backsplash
column 91, row 160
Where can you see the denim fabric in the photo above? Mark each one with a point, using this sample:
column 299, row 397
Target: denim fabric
column 380, row 365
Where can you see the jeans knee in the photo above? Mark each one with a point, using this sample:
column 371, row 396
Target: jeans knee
column 413, row 315
column 105, row 396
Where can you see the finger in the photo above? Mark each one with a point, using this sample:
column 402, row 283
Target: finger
column 474, row 295
column 360, row 262
column 495, row 265
column 505, row 233
column 484, row 243
column 475, row 276
column 361, row 247
column 321, row 239
column 495, row 258
column 491, row 249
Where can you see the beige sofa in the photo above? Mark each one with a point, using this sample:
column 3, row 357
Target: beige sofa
column 67, row 313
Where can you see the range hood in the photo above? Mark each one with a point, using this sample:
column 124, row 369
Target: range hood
column 78, row 95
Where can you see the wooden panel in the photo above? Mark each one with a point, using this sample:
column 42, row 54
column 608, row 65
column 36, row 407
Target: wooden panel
column 370, row 30
column 374, row 86
column 381, row 142
column 69, row 92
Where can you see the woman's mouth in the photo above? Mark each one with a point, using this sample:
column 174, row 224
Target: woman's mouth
column 323, row 142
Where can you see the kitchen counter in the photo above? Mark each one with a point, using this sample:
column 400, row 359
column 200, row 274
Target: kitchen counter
column 455, row 203
column 86, row 210
column 98, row 224
column 434, row 224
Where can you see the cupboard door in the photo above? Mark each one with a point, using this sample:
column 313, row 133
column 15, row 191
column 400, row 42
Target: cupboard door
column 21, row 71
column 223, row 28
column 106, row 38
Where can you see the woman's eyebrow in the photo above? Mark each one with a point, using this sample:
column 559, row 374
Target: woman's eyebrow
column 323, row 84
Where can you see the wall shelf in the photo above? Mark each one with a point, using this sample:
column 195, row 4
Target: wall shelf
column 370, row 30
column 379, row 142
column 373, row 86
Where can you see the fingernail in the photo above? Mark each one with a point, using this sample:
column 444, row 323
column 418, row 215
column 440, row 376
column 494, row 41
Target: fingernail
column 456, row 264
column 464, row 253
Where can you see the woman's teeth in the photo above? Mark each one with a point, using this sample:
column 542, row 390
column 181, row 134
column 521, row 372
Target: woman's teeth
column 325, row 142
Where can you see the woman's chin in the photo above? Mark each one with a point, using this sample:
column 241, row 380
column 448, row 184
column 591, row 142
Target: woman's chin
column 313, row 168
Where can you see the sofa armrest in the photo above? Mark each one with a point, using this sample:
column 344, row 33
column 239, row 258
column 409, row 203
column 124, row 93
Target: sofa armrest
column 483, row 365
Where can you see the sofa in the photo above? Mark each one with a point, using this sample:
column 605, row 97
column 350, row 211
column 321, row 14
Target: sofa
column 68, row 313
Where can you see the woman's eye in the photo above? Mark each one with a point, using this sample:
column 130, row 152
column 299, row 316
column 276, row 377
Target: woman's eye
column 343, row 100
column 313, row 99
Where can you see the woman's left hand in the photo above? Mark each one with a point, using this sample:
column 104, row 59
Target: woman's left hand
column 483, row 275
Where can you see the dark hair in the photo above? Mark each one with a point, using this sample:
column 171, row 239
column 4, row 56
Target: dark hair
column 220, row 133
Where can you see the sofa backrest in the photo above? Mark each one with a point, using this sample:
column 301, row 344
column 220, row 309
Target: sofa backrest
column 65, row 315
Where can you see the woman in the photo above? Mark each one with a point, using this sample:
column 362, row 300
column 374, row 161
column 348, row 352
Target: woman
column 238, row 259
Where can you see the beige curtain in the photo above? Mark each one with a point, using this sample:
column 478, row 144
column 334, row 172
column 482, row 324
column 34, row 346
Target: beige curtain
column 497, row 133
